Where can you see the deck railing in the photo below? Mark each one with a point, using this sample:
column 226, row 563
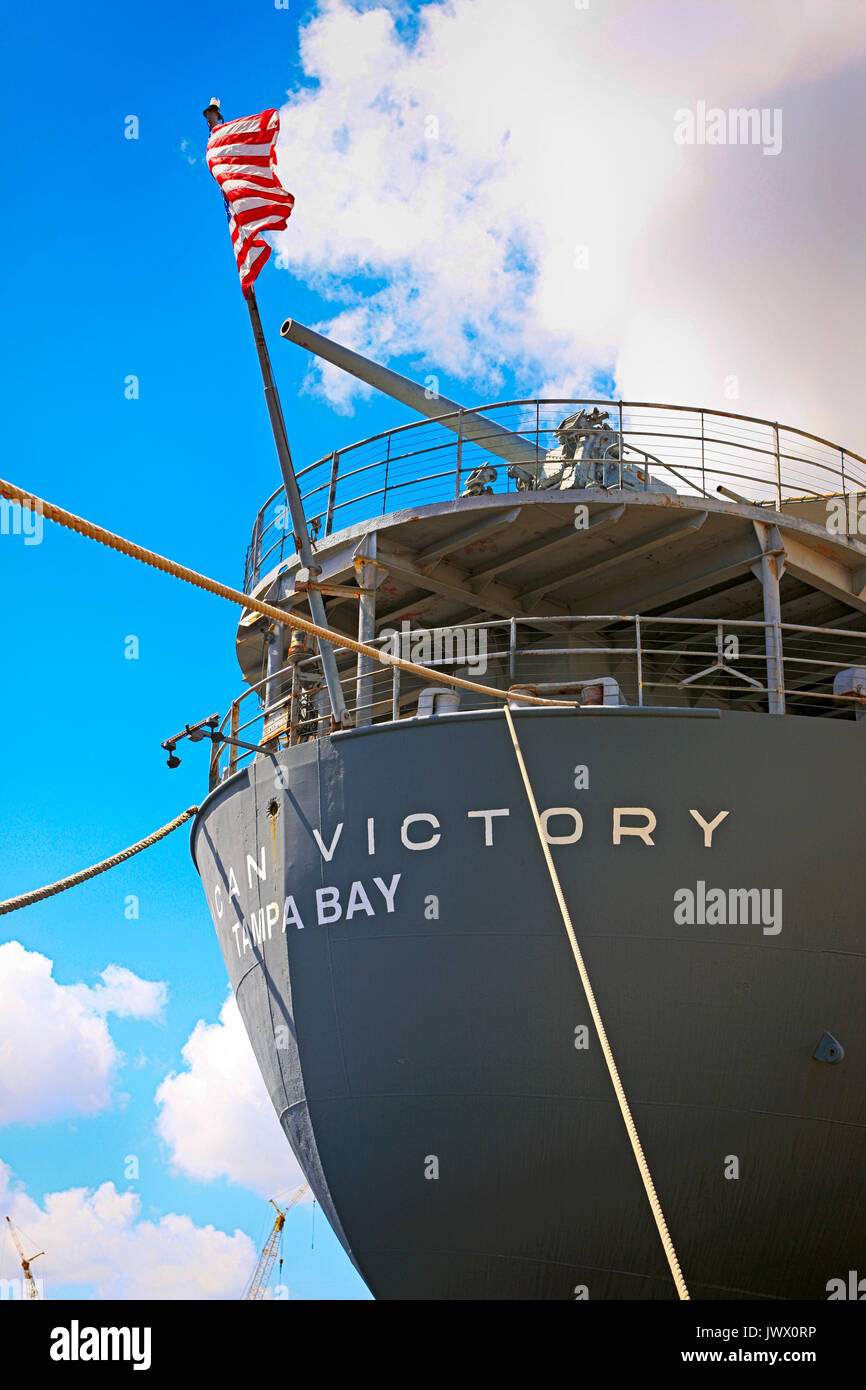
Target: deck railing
column 610, row 659
column 691, row 450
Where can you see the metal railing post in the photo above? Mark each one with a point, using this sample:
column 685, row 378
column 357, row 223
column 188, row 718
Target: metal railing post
column 776, row 667
column 512, row 648
column 639, row 656
column 387, row 471
column 255, row 552
column 767, row 571
column 294, row 709
column 233, row 730
column 703, row 458
column 332, row 493
column 274, row 660
column 395, row 692
column 365, row 577
column 214, row 769
column 778, row 467
column 459, row 454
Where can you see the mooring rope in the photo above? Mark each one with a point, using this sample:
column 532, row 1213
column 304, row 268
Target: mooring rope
column 247, row 601
column 37, row 894
column 622, row 1101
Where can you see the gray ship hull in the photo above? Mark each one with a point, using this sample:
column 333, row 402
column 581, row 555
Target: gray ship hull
column 406, row 982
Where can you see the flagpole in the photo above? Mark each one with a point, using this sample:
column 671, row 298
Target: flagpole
column 296, row 509
column 290, row 483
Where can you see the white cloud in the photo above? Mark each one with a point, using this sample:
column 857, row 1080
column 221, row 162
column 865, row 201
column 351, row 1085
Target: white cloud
column 124, row 994
column 57, row 1056
column 216, row 1116
column 98, row 1238
column 555, row 131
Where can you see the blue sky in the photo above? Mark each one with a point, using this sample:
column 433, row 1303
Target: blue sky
column 123, row 265
column 119, row 264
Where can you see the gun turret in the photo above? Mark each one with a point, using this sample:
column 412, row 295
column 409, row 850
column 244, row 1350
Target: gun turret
column 590, row 452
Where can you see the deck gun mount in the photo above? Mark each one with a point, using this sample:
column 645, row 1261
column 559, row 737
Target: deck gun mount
column 590, row 453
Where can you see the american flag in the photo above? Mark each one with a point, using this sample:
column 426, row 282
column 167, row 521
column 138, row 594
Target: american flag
column 240, row 155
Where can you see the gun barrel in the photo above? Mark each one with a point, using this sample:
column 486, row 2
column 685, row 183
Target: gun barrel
column 486, row 433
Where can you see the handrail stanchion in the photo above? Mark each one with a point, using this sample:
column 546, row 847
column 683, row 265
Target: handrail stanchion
column 255, row 552
column 779, row 664
column 233, row 730
column 778, row 467
column 395, row 693
column 214, row 769
column 639, row 656
column 459, row 454
column 365, row 577
column 387, row 471
column 332, row 493
column 294, row 711
column 703, row 460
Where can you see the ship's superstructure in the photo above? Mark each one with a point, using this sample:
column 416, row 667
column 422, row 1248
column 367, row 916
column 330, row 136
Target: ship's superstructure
column 691, row 587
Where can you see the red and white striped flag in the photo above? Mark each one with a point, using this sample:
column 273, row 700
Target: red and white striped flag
column 240, row 155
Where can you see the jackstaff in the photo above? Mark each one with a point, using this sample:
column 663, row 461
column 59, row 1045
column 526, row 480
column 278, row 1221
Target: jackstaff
column 240, row 155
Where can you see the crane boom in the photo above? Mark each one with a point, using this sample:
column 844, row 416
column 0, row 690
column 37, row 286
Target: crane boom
column 31, row 1289
column 259, row 1282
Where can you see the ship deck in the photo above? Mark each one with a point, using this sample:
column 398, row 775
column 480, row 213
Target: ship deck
column 683, row 598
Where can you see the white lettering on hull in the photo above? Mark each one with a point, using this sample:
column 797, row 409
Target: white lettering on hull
column 421, row 831
column 332, row 903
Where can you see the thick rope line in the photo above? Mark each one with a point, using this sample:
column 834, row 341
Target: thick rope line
column 246, row 601
column 25, row 899
column 622, row 1101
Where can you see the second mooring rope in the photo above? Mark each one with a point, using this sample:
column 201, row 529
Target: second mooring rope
column 37, row 894
column 622, row 1100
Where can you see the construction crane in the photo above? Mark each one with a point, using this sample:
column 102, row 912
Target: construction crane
column 30, row 1288
column 259, row 1282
